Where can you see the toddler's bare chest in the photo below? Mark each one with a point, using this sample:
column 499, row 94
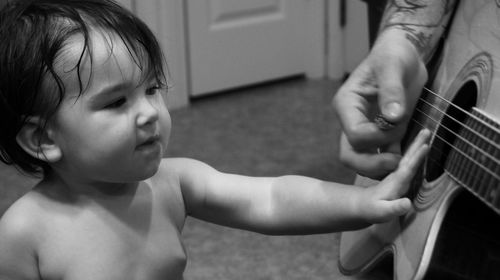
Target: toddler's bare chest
column 143, row 244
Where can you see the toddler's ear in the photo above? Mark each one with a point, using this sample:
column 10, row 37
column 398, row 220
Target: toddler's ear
column 37, row 142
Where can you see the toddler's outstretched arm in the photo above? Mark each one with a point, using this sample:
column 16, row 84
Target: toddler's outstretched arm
column 328, row 207
column 296, row 204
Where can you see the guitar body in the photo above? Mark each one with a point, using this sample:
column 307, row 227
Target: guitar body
column 453, row 231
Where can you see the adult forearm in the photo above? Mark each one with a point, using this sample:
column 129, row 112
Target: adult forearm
column 422, row 22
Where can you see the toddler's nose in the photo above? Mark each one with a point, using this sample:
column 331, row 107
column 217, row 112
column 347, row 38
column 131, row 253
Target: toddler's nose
column 147, row 113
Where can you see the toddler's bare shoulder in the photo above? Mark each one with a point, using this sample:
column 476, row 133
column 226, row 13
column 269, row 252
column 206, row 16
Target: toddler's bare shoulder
column 23, row 219
column 172, row 171
column 184, row 173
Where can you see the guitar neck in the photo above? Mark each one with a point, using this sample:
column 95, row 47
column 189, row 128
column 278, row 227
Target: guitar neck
column 473, row 162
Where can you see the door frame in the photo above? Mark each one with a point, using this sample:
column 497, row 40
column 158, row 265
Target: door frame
column 347, row 36
column 166, row 20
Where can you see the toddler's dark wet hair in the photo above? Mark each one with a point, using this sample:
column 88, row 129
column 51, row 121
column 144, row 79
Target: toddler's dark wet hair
column 33, row 35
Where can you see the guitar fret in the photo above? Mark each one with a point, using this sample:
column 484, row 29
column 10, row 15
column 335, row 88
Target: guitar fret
column 475, row 152
column 478, row 147
column 488, row 164
column 491, row 192
column 495, row 183
column 488, row 184
column 490, row 179
column 495, row 186
column 456, row 161
column 473, row 159
column 496, row 170
column 464, row 162
column 453, row 158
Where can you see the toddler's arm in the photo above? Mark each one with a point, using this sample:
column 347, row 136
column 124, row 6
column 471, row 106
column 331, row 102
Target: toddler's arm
column 296, row 204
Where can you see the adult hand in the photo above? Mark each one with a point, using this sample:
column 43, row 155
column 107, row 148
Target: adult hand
column 387, row 84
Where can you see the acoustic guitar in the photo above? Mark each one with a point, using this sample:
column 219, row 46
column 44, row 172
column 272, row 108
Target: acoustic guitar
column 454, row 230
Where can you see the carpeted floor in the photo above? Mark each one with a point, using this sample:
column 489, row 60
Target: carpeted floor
column 274, row 129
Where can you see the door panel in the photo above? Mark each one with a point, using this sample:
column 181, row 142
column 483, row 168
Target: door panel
column 231, row 12
column 233, row 43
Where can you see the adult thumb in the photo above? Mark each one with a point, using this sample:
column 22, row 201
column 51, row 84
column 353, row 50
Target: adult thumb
column 391, row 96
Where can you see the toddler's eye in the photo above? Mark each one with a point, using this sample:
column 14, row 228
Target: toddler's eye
column 154, row 90
column 116, row 104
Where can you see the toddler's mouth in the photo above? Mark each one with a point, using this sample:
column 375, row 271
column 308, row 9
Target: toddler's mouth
column 149, row 141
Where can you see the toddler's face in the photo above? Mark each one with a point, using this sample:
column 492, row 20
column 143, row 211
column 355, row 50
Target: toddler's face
column 118, row 129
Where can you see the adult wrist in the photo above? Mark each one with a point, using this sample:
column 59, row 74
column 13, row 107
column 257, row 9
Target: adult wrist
column 393, row 35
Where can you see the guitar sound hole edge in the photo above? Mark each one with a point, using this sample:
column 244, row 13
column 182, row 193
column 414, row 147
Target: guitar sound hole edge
column 449, row 129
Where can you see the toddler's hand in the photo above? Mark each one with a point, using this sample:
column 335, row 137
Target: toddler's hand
column 383, row 202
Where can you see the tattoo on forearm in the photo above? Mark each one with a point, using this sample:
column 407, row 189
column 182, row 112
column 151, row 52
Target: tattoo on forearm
column 423, row 21
column 420, row 40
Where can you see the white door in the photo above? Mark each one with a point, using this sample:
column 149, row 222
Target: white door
column 233, row 43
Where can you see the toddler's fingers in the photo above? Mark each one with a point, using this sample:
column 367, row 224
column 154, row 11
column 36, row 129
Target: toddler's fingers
column 417, row 150
column 413, row 157
column 421, row 139
column 407, row 170
column 401, row 206
column 395, row 208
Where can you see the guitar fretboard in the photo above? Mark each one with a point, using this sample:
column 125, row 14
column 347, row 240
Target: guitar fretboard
column 474, row 160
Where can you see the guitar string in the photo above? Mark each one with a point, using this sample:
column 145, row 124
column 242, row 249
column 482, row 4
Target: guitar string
column 460, row 151
column 481, row 151
column 462, row 125
column 470, row 145
column 460, row 169
column 473, row 146
column 488, row 194
column 472, row 186
column 495, row 129
column 481, row 121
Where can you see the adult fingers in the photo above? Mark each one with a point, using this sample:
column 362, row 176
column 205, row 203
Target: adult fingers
column 352, row 102
column 392, row 100
column 353, row 107
column 370, row 164
column 401, row 83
